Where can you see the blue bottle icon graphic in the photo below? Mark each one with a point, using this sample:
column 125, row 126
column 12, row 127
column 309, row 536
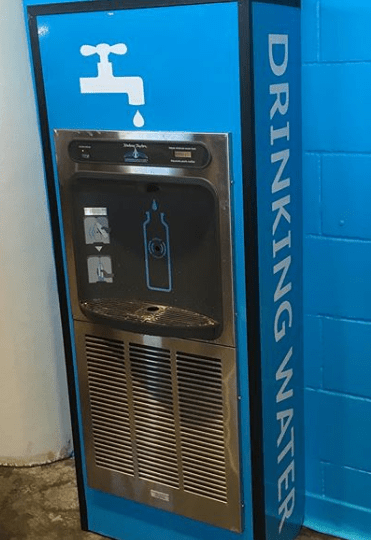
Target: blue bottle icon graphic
column 157, row 250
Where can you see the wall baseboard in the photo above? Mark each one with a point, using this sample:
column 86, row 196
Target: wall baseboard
column 337, row 518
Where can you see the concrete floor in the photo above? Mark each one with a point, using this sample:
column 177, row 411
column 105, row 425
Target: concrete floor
column 40, row 503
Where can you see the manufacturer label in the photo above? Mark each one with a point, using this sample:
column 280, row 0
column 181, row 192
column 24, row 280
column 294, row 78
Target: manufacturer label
column 160, row 495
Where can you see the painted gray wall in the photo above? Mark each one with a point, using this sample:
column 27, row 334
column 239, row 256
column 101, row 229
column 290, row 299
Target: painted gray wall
column 34, row 414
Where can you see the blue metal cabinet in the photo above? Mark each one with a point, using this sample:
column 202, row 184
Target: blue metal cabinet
column 165, row 69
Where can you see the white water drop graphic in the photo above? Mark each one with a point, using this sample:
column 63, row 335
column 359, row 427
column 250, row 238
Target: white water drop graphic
column 138, row 120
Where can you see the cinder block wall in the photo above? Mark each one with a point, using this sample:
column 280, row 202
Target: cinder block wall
column 337, row 221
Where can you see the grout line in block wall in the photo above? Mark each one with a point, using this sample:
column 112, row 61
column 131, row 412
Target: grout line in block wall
column 337, row 62
column 318, row 14
column 345, row 239
column 319, row 172
column 343, row 319
column 338, row 153
column 348, row 467
column 354, row 397
column 322, row 470
column 322, row 364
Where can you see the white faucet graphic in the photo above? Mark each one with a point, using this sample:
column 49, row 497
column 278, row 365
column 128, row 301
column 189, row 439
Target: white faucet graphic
column 107, row 83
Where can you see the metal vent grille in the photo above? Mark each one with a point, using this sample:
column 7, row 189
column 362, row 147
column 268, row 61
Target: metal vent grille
column 154, row 414
column 201, row 423
column 109, row 404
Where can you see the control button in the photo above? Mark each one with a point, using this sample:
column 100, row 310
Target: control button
column 85, row 155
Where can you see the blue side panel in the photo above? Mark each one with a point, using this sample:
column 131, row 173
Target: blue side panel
column 188, row 59
column 276, row 34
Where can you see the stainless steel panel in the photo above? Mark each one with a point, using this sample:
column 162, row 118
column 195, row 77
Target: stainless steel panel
column 217, row 173
column 160, row 422
column 160, row 415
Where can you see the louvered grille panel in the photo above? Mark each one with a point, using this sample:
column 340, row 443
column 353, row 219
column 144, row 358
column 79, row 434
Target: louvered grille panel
column 155, row 423
column 154, row 414
column 109, row 404
column 202, row 425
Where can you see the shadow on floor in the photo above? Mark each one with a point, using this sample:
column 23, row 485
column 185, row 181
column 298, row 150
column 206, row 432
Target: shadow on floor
column 40, row 503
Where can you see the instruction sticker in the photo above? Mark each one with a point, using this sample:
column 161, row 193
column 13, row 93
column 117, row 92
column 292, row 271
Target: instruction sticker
column 96, row 230
column 95, row 211
column 100, row 270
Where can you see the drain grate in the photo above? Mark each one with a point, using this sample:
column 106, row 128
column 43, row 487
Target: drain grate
column 151, row 318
